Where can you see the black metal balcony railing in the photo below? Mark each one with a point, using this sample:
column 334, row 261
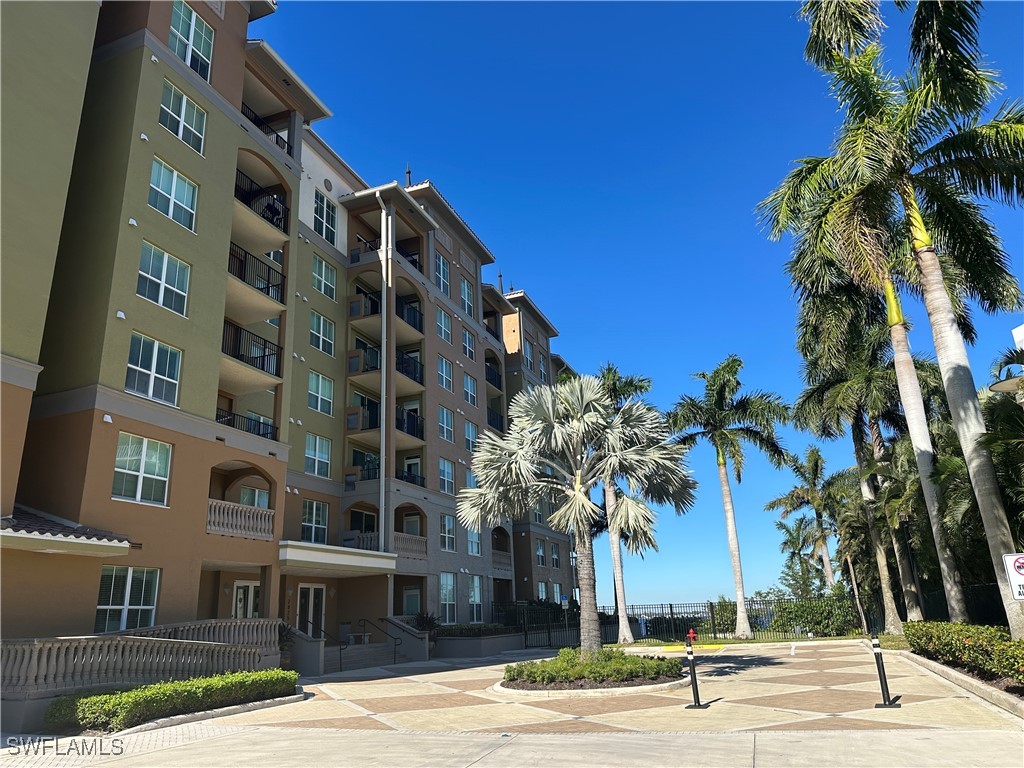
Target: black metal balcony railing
column 494, row 420
column 251, row 349
column 369, row 473
column 365, row 418
column 264, row 126
column 408, row 422
column 493, row 332
column 409, row 313
column 247, row 424
column 364, row 305
column 493, row 375
column 408, row 365
column 255, row 272
column 365, row 251
column 412, row 258
column 410, row 477
column 267, row 204
column 368, row 361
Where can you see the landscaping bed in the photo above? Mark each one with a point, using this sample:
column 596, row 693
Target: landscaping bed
column 985, row 653
column 607, row 668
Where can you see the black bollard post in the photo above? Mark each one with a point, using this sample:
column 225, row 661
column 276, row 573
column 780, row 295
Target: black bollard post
column 693, row 678
column 887, row 701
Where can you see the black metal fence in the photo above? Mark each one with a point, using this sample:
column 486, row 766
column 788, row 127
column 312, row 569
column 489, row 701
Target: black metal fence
column 984, row 606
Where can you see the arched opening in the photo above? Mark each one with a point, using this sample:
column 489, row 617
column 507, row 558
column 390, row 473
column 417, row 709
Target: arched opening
column 410, row 520
column 500, row 540
column 243, row 483
column 360, row 527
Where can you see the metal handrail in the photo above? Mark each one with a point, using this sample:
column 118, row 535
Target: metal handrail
column 492, row 375
column 246, row 424
column 409, row 313
column 408, row 422
column 255, row 272
column 494, row 420
column 342, row 644
column 251, row 349
column 398, row 640
column 265, row 203
column 412, row 258
column 410, row 366
column 410, row 477
column 264, row 126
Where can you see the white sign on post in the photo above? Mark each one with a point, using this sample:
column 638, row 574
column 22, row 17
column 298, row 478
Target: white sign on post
column 1015, row 573
column 565, row 602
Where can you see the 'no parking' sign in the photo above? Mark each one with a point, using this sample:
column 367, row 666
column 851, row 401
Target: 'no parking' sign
column 1015, row 573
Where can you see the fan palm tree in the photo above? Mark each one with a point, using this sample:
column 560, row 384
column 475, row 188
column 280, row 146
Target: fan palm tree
column 562, row 441
column 727, row 419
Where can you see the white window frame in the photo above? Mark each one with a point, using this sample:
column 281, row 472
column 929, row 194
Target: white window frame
column 446, row 479
column 314, row 521
column 166, row 292
column 125, row 606
column 556, row 593
column 254, row 497
column 182, row 117
column 325, row 277
column 469, row 391
column 444, row 373
column 476, row 592
column 473, row 546
column 442, row 273
column 444, row 325
column 446, row 424
column 325, row 217
column 447, row 533
column 556, row 555
column 321, row 334
column 540, row 552
column 468, row 344
column 151, row 375
column 528, row 353
column 321, row 466
column 178, row 180
column 141, row 474
column 470, row 478
column 542, row 590
column 542, row 362
column 466, row 296
column 448, row 607
column 472, row 435
column 316, row 399
column 196, row 23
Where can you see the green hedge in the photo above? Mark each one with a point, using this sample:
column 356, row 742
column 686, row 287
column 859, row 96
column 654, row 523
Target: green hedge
column 124, row 709
column 475, row 630
column 987, row 651
column 598, row 666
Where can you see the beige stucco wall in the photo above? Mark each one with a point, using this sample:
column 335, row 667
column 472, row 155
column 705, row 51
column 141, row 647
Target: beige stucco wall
column 48, row 595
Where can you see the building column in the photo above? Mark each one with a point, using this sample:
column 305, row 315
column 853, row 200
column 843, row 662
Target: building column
column 270, row 583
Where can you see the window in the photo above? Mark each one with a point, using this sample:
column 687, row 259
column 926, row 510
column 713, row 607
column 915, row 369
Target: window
column 127, row 598
column 254, row 497
column 447, row 598
column 172, row 194
column 265, row 424
column 538, row 513
column 556, row 593
column 444, row 373
column 325, row 277
column 325, row 217
column 542, row 590
column 163, row 279
column 470, row 479
column 476, row 608
column 543, row 363
column 191, row 39
column 441, row 272
column 153, row 370
column 528, row 353
column 444, row 325
column 141, row 469
column 275, row 256
column 321, row 333
column 446, row 424
column 448, row 533
column 321, row 393
column 447, row 477
column 182, row 117
column 466, row 296
column 473, row 547
column 469, row 388
column 540, row 553
column 471, row 434
column 556, row 560
column 318, row 455
column 314, row 521
column 468, row 344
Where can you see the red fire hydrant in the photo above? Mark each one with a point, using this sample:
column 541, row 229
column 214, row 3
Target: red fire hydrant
column 691, row 635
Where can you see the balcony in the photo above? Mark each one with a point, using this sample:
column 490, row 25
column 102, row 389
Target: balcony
column 252, row 363
column 369, row 542
column 411, row 380
column 493, row 376
column 257, row 293
column 264, row 126
column 367, row 252
column 412, row 258
column 407, row 545
column 411, row 330
column 229, row 519
column 266, row 204
column 501, row 560
column 358, row 555
column 364, row 314
column 410, row 477
column 364, row 368
column 408, row 423
column 493, row 332
column 363, row 425
column 247, row 424
column 495, row 421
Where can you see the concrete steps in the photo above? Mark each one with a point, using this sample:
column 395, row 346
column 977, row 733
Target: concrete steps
column 361, row 657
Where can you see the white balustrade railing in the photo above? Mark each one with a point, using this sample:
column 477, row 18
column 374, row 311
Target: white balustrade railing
column 259, row 633
column 230, row 519
column 408, row 545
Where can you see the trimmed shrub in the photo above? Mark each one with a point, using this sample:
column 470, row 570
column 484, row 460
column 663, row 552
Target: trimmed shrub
column 987, row 651
column 475, row 630
column 608, row 664
column 124, row 709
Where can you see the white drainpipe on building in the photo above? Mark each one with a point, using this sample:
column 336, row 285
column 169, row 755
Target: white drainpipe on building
column 385, row 270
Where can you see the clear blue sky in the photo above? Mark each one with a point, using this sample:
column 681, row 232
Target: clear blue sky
column 611, row 156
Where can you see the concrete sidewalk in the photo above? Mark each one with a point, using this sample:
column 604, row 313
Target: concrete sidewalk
column 767, row 708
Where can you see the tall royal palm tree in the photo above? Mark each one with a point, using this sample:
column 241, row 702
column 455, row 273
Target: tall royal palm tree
column 561, row 442
column 919, row 152
column 727, row 420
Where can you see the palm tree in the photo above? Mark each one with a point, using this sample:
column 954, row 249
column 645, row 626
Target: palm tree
column 918, row 152
column 562, row 441
column 800, row 545
column 727, row 420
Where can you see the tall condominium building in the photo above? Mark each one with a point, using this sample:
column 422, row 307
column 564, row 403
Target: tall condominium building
column 238, row 380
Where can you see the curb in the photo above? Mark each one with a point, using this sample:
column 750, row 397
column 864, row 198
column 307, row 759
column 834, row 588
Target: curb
column 588, row 693
column 209, row 714
column 1006, row 701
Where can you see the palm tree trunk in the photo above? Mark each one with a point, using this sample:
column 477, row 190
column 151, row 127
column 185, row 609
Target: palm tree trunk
column 590, row 626
column 856, row 595
column 826, row 558
column 910, row 594
column 921, row 440
column 893, row 625
column 615, row 541
column 742, row 623
column 962, row 396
